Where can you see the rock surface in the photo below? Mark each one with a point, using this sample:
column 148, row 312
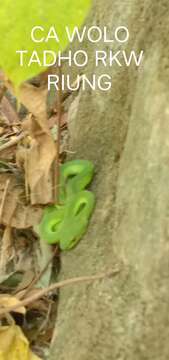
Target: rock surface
column 125, row 132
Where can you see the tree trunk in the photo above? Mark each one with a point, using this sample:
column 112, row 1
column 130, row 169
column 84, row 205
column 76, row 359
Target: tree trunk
column 125, row 132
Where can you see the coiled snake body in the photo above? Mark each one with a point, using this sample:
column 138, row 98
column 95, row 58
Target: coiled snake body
column 67, row 222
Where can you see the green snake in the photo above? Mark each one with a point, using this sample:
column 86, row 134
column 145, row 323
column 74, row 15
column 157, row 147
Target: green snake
column 66, row 223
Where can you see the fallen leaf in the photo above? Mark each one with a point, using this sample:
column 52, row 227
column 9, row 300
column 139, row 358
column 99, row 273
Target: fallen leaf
column 11, row 280
column 39, row 159
column 8, row 110
column 44, row 255
column 14, row 345
column 15, row 212
column 8, row 300
column 34, row 99
column 6, row 249
column 27, row 279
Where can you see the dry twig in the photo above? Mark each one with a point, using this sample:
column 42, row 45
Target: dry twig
column 38, row 277
column 58, row 285
column 13, row 142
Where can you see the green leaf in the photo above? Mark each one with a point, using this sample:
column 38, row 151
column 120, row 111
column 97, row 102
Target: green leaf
column 17, row 18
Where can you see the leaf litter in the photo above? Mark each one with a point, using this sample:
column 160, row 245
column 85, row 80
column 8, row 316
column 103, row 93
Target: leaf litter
column 27, row 164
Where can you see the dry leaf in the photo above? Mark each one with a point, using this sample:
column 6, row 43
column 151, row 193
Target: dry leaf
column 9, row 111
column 8, row 300
column 34, row 98
column 14, row 345
column 39, row 160
column 15, row 212
column 6, row 249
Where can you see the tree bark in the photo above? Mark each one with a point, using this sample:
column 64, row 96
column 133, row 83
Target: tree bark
column 125, row 132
